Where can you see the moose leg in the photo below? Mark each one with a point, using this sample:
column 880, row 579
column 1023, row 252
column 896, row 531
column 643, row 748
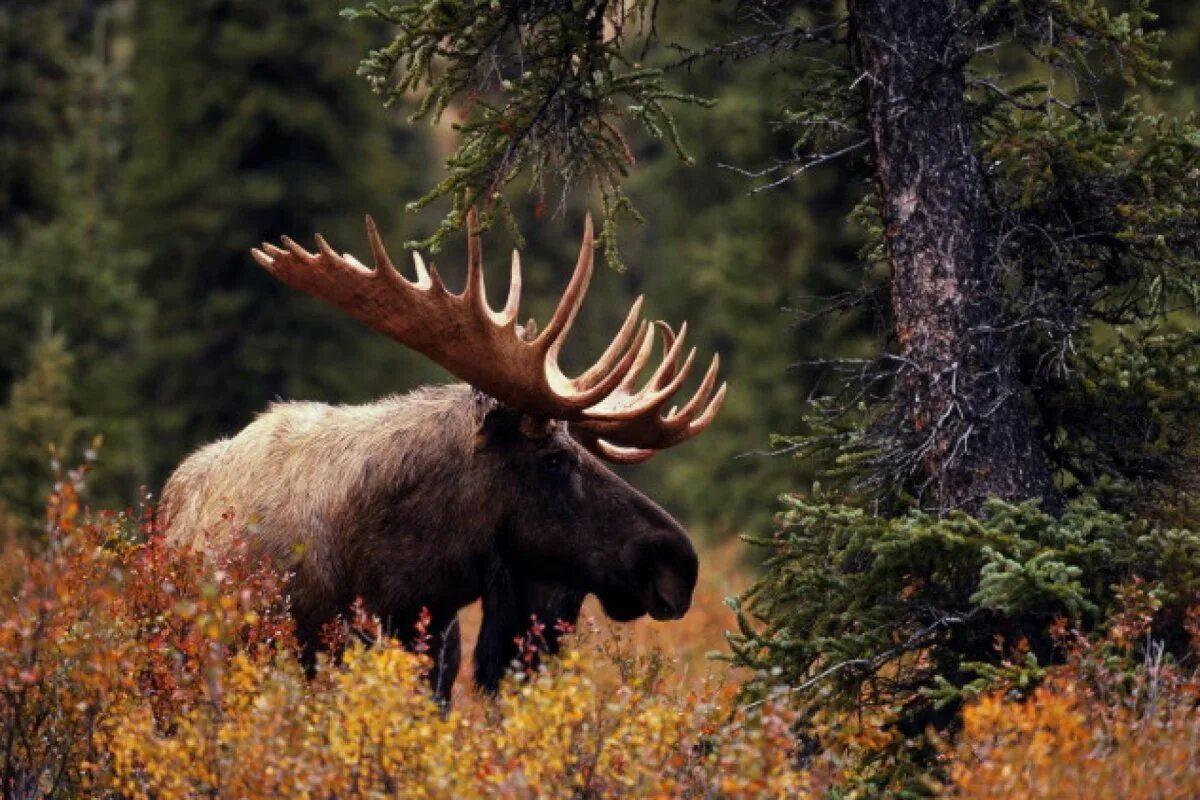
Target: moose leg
column 555, row 608
column 511, row 607
column 503, row 612
column 438, row 637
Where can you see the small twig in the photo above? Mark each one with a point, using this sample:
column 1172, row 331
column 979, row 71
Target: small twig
column 809, row 163
column 758, row 44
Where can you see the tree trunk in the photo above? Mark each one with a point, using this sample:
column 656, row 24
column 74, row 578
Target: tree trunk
column 969, row 434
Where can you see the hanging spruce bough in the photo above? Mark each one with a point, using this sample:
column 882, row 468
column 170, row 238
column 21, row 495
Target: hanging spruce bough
column 541, row 88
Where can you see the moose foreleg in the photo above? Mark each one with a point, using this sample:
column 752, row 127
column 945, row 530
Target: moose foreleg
column 511, row 607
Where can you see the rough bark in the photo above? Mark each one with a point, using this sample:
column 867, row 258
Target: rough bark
column 969, row 434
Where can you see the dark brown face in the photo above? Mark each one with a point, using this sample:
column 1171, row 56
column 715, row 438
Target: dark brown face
column 572, row 521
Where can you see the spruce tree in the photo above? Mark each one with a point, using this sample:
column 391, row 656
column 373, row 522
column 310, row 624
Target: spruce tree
column 64, row 259
column 37, row 427
column 1013, row 454
column 249, row 124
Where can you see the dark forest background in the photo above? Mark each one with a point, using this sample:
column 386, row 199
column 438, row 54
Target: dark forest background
column 145, row 147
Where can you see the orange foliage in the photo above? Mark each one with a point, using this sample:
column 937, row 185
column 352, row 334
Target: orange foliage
column 1057, row 744
column 1118, row 720
column 127, row 669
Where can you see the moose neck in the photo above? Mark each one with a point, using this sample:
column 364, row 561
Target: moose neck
column 418, row 479
column 408, row 523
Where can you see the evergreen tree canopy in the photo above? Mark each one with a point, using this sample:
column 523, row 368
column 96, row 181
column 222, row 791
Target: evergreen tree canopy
column 248, row 124
column 35, row 53
column 64, row 262
column 36, row 427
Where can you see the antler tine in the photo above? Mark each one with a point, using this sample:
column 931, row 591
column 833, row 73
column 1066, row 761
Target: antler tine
column 328, row 252
column 684, row 415
column 619, row 454
column 423, row 279
column 710, row 413
column 639, row 438
column 603, row 377
column 622, row 455
column 378, row 252
column 513, row 303
column 552, row 335
column 475, row 292
column 292, row 264
column 629, row 382
column 296, row 250
column 625, row 404
column 578, row 400
column 629, row 426
column 614, row 349
column 668, row 339
column 666, row 373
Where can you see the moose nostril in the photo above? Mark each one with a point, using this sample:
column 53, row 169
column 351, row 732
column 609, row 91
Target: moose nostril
column 667, row 608
column 672, row 598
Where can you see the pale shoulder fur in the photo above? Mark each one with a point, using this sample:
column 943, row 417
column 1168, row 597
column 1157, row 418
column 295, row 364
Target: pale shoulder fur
column 285, row 480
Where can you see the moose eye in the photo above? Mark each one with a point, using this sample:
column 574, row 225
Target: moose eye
column 557, row 464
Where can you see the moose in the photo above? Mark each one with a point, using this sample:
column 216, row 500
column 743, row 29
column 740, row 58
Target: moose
column 493, row 488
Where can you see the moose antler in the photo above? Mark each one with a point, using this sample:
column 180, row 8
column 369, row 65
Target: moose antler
column 462, row 333
column 627, row 438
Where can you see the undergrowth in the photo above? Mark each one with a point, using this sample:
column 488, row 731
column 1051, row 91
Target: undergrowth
column 130, row 670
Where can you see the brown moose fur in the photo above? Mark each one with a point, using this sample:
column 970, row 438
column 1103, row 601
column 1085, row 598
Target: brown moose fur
column 431, row 500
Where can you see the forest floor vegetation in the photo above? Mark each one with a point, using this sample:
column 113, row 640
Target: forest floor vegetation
column 128, row 670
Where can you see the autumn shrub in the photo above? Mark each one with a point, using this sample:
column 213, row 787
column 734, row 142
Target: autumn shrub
column 103, row 617
column 1120, row 719
column 370, row 729
column 130, row 670
column 63, row 663
column 904, row 617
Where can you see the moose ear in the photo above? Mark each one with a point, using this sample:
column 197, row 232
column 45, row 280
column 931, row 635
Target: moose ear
column 501, row 425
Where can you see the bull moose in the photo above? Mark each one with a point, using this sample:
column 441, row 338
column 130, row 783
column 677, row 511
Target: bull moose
column 493, row 488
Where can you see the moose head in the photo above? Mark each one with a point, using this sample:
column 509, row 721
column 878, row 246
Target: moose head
column 436, row 498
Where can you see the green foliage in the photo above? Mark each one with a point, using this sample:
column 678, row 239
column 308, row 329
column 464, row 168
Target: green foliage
column 76, row 273
column 1126, row 413
column 869, row 603
column 1092, row 222
column 67, row 263
column 36, row 427
column 540, row 87
column 903, row 614
column 249, row 124
column 34, row 66
column 741, row 267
